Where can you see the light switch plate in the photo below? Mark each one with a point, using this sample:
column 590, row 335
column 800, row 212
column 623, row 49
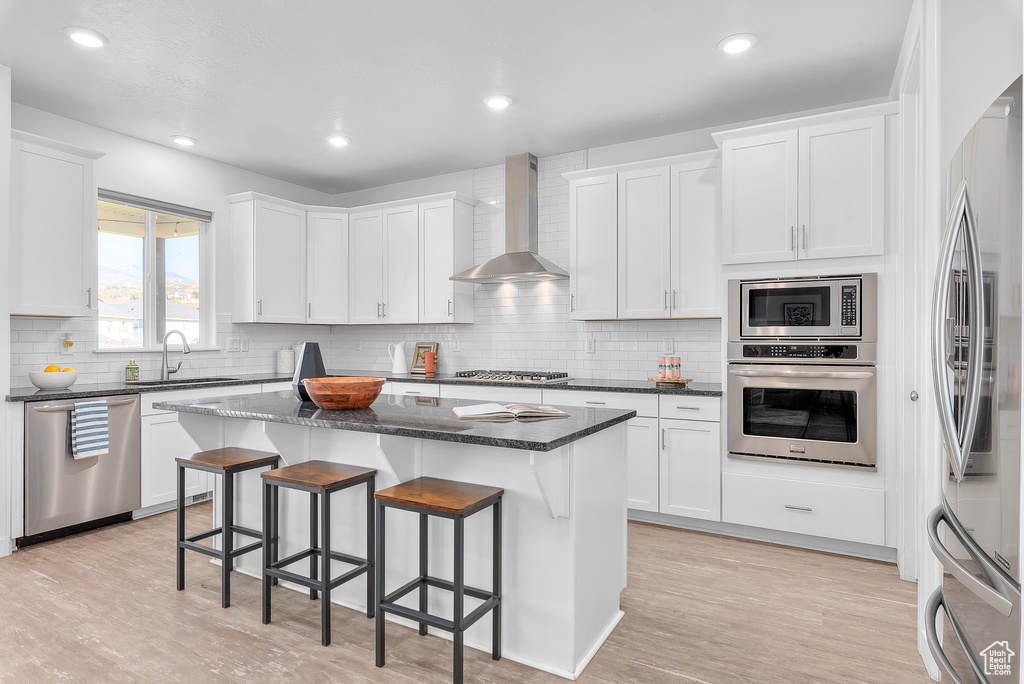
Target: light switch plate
column 456, row 345
column 233, row 344
column 591, row 345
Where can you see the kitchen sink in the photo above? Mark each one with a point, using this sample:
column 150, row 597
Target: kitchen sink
column 182, row 381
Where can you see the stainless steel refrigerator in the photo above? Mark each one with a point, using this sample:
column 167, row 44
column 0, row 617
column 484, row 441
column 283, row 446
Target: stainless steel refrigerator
column 976, row 365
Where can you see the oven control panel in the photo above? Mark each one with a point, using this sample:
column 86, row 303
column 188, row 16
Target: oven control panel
column 800, row 351
column 849, row 306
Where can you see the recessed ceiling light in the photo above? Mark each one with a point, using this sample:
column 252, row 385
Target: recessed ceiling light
column 338, row 140
column 735, row 44
column 183, row 140
column 498, row 101
column 86, row 37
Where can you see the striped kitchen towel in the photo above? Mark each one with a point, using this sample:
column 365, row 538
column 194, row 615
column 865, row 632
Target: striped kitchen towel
column 89, row 436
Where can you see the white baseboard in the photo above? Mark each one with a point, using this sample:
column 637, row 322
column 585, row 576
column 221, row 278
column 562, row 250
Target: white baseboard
column 6, row 547
column 803, row 541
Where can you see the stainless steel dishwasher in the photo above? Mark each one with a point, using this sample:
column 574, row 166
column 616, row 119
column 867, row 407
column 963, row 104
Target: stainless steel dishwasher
column 64, row 495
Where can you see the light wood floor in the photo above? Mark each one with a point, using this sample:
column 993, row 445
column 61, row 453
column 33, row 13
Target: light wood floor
column 102, row 607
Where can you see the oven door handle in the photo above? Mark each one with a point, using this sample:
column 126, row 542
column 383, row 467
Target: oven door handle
column 772, row 373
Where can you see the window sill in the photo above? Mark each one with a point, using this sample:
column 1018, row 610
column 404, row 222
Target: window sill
column 156, row 350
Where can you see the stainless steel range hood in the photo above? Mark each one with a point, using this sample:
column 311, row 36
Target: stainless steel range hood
column 520, row 262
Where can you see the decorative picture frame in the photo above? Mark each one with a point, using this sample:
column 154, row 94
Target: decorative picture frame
column 418, row 364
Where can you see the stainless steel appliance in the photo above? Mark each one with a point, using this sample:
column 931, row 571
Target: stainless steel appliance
column 976, row 357
column 825, row 307
column 64, row 494
column 538, row 377
column 800, row 400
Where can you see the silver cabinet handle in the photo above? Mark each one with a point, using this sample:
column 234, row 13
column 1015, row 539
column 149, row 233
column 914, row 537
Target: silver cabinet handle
column 597, row 403
column 309, row 310
column 88, row 298
column 378, row 309
column 411, row 392
column 914, row 395
column 805, row 237
column 792, row 238
column 830, row 375
column 259, row 307
column 572, row 302
column 666, row 300
column 449, row 307
column 992, row 572
column 688, row 408
column 383, row 309
column 931, row 612
column 674, row 300
column 799, row 508
column 662, row 439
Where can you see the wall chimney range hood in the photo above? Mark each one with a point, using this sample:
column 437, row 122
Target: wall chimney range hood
column 520, row 262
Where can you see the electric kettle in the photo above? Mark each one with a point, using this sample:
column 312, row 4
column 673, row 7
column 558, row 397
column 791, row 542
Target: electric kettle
column 399, row 362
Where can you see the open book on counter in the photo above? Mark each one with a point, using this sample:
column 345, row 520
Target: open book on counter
column 507, row 412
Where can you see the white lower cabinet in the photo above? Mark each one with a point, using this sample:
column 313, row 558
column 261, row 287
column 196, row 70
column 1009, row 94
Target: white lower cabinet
column 821, row 509
column 163, row 440
column 415, row 389
column 501, row 395
column 691, row 468
column 642, row 464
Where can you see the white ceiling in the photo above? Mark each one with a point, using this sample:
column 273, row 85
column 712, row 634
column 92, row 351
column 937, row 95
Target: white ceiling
column 261, row 84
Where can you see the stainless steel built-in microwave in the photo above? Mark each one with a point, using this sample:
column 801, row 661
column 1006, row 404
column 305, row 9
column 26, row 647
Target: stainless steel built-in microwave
column 828, row 307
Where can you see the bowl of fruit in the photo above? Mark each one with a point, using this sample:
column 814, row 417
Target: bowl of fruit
column 53, row 378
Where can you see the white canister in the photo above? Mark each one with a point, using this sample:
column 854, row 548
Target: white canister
column 286, row 361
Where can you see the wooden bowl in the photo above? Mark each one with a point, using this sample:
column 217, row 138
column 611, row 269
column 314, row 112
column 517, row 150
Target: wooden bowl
column 343, row 393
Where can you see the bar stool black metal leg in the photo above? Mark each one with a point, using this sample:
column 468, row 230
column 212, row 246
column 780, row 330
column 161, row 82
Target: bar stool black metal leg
column 275, row 539
column 424, row 522
column 379, row 568
column 370, row 571
column 268, row 532
column 181, row 527
column 458, row 586
column 314, row 541
column 496, row 590
column 227, row 538
column 325, row 571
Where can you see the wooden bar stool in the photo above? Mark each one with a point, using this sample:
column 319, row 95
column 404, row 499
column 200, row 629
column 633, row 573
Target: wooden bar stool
column 446, row 499
column 226, row 462
column 320, row 479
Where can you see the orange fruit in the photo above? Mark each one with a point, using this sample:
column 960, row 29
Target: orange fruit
column 68, row 370
column 52, row 369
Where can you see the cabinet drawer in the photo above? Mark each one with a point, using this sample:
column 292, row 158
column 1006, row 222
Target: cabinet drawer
column 689, row 407
column 643, row 404
column 823, row 510
column 502, row 395
column 149, row 398
column 416, row 389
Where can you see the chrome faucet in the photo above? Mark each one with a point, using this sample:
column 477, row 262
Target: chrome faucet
column 165, row 369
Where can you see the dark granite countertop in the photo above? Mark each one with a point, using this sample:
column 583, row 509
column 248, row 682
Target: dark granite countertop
column 81, row 390
column 416, row 417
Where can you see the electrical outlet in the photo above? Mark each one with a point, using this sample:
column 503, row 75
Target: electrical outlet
column 456, row 345
column 67, row 344
column 669, row 345
column 591, row 345
column 233, row 345
column 245, row 344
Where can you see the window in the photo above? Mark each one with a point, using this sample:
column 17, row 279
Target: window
column 149, row 271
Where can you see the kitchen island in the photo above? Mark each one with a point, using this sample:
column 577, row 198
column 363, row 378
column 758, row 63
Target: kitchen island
column 564, row 554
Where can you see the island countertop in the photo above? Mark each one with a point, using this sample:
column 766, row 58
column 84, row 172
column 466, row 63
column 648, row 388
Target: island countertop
column 417, row 417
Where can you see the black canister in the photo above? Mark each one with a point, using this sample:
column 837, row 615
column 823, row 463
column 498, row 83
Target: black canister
column 310, row 364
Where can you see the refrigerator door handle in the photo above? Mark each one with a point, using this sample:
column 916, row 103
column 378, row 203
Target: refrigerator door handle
column 958, row 438
column 931, row 614
column 983, row 591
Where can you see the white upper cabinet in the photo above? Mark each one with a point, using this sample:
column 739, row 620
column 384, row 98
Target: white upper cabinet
column 842, row 189
column 327, row 267
column 52, row 263
column 593, row 261
column 446, row 248
column 811, row 189
column 695, row 230
column 401, row 265
column 644, row 251
column 759, row 207
column 366, row 267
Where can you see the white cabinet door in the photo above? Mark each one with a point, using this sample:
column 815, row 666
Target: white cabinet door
column 53, row 232
column 593, row 221
column 279, row 246
column 696, row 264
column 163, row 440
column 437, row 262
column 691, row 467
column 644, row 250
column 365, row 267
column 326, row 268
column 642, row 464
column 401, row 265
column 759, row 198
column 842, row 189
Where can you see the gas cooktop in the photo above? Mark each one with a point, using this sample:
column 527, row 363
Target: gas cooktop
column 538, row 377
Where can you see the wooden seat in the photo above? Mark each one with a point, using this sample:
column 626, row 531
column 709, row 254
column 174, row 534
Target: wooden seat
column 319, row 475
column 228, row 459
column 320, row 479
column 443, row 496
column 430, row 496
